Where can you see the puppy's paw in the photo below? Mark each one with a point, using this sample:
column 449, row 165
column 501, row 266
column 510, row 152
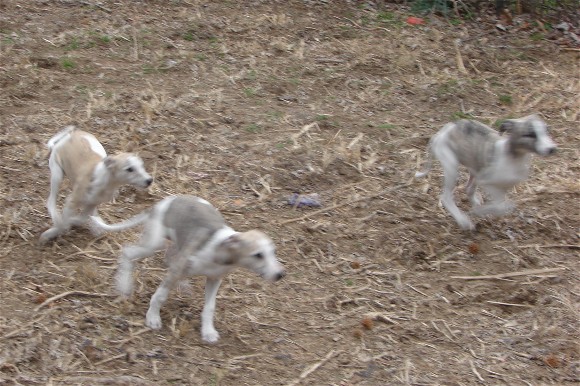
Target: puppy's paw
column 153, row 320
column 466, row 224
column 48, row 235
column 210, row 335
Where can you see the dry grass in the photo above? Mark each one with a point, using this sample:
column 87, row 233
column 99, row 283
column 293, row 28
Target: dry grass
column 244, row 105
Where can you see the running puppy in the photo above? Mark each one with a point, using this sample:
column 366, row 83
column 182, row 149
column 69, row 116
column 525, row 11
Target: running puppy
column 202, row 245
column 95, row 177
column 494, row 162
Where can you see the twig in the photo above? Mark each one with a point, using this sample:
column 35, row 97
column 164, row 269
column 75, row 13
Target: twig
column 508, row 304
column 69, row 293
column 510, row 274
column 110, row 359
column 460, row 65
column 22, row 329
column 571, row 246
column 269, row 325
column 416, row 290
column 312, row 368
column 346, row 18
column 96, row 5
column 476, row 372
column 380, row 317
column 117, row 380
column 317, row 212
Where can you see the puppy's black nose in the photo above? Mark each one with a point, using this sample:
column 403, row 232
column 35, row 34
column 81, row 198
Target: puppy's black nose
column 280, row 275
column 552, row 150
column 148, row 181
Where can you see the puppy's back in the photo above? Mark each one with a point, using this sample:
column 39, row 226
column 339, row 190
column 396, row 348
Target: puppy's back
column 78, row 154
column 473, row 143
column 189, row 215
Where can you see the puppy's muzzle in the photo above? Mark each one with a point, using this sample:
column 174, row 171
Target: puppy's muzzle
column 279, row 275
column 552, row 150
column 148, row 182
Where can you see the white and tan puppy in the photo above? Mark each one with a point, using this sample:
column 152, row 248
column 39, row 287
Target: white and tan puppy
column 95, row 177
column 496, row 163
column 202, row 244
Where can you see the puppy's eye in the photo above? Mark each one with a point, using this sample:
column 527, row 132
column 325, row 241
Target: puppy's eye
column 258, row 255
column 531, row 135
column 130, row 169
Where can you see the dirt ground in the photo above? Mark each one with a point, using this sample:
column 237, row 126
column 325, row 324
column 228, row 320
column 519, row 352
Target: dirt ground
column 245, row 103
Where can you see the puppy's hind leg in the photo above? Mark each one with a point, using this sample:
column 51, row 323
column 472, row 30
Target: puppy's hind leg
column 498, row 206
column 56, row 177
column 176, row 272
column 60, row 222
column 208, row 331
column 471, row 190
column 152, row 240
column 450, row 172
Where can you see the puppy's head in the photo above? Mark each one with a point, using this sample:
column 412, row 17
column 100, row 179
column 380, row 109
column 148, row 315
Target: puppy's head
column 127, row 168
column 529, row 134
column 252, row 250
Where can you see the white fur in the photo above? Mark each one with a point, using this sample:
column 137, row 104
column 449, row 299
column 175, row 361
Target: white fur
column 187, row 262
column 496, row 176
column 89, row 189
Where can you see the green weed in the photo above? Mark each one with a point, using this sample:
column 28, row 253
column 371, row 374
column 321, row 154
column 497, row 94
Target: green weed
column 505, row 99
column 189, row 36
column 461, row 115
column 68, row 63
column 250, row 92
column 105, row 39
column 386, row 126
column 253, row 128
column 73, row 45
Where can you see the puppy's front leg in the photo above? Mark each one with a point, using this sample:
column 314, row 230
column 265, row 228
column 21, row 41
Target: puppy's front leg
column 153, row 319
column 208, row 331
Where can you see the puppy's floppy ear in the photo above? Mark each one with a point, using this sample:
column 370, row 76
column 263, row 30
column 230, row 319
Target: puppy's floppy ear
column 109, row 162
column 507, row 126
column 235, row 241
column 227, row 254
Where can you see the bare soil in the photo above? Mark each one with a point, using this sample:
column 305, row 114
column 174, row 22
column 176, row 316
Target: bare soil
column 245, row 103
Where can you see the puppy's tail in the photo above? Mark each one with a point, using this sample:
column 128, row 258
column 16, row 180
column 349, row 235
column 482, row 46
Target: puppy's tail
column 428, row 163
column 100, row 225
column 59, row 136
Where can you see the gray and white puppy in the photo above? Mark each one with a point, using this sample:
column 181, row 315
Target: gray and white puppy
column 496, row 163
column 202, row 245
column 95, row 177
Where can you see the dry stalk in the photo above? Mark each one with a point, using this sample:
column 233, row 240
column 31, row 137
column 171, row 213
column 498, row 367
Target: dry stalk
column 305, row 129
column 116, row 380
column 380, row 317
column 69, row 293
column 460, row 65
column 508, row 304
column 313, row 368
column 476, row 372
column 571, row 246
column 499, row 276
